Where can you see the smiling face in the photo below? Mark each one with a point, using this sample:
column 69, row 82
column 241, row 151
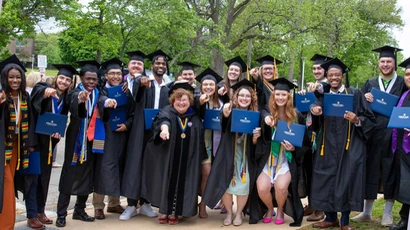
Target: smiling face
column 14, row 79
column 135, row 67
column 386, row 66
column 244, row 98
column 267, row 72
column 181, row 104
column 159, row 67
column 407, row 78
column 318, row 72
column 63, row 82
column 335, row 78
column 233, row 72
column 188, row 75
column 89, row 80
column 281, row 97
column 208, row 87
column 114, row 77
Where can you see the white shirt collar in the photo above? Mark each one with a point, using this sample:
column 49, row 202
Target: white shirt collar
column 341, row 90
column 151, row 77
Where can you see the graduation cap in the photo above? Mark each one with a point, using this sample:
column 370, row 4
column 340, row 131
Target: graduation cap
column 336, row 63
column 113, row 63
column 89, row 66
column 136, row 55
column 268, row 60
column 13, row 59
column 237, row 61
column 405, row 64
column 188, row 66
column 283, row 84
column 320, row 59
column 66, row 70
column 388, row 51
column 180, row 85
column 159, row 53
column 209, row 74
column 242, row 83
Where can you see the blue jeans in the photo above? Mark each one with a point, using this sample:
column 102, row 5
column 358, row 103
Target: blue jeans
column 31, row 198
column 332, row 217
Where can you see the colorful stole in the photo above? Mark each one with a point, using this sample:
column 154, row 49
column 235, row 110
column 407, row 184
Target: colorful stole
column 80, row 148
column 406, row 140
column 21, row 129
column 243, row 165
column 276, row 151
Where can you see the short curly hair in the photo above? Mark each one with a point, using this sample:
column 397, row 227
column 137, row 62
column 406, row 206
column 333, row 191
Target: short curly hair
column 178, row 93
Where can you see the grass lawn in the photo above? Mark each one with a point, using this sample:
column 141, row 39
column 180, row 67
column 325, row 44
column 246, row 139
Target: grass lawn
column 377, row 217
column 49, row 72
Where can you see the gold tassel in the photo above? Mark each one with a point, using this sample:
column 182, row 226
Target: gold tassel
column 50, row 152
column 82, row 159
column 269, row 163
column 243, row 177
column 18, row 152
column 313, row 137
column 348, row 138
column 322, row 150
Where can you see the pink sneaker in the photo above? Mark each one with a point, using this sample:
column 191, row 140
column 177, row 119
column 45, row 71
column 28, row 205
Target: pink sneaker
column 279, row 221
column 267, row 220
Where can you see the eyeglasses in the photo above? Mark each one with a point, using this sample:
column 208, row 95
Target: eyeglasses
column 112, row 74
column 245, row 95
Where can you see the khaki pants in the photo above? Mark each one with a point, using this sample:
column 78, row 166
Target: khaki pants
column 98, row 201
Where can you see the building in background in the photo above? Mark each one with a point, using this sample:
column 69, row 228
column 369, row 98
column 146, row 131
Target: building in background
column 24, row 49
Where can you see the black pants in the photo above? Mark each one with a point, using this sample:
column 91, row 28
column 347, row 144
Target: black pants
column 64, row 201
column 404, row 212
column 132, row 202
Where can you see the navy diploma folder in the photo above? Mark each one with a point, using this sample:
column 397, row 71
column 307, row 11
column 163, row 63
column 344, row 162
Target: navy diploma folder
column 244, row 121
column 336, row 105
column 212, row 119
column 50, row 123
column 303, row 102
column 400, row 118
column 116, row 93
column 383, row 102
column 294, row 135
column 149, row 115
column 117, row 116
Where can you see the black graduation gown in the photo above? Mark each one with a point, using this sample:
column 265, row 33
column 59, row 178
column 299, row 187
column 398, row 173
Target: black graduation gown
column 293, row 206
column 263, row 92
column 403, row 163
column 223, row 165
column 110, row 165
column 144, row 98
column 378, row 157
column 338, row 177
column 41, row 105
column 162, row 160
column 77, row 179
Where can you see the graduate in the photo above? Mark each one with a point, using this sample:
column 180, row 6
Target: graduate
column 50, row 98
column 262, row 76
column 149, row 93
column 17, row 130
column 401, row 150
column 277, row 165
column 379, row 161
column 341, row 147
column 77, row 175
column 233, row 170
column 236, row 68
column 187, row 73
column 110, row 163
column 174, row 155
column 209, row 99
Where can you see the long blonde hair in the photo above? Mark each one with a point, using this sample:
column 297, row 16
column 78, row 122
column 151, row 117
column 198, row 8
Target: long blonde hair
column 290, row 111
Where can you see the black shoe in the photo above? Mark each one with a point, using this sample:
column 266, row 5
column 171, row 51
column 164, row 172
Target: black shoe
column 60, row 222
column 82, row 216
column 402, row 225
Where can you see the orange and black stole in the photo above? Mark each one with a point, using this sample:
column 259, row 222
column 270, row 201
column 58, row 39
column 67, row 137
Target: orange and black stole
column 22, row 135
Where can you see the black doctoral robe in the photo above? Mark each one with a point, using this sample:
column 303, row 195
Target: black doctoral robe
column 293, row 206
column 76, row 179
column 144, row 97
column 163, row 158
column 41, row 105
column 338, row 177
column 223, row 165
column 379, row 161
column 403, row 164
column 109, row 166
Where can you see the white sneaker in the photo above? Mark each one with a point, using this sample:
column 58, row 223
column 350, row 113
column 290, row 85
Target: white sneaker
column 361, row 218
column 387, row 220
column 147, row 210
column 130, row 211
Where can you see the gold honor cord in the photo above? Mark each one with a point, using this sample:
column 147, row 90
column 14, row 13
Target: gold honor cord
column 182, row 125
column 19, row 132
column 243, row 176
column 50, row 151
column 322, row 150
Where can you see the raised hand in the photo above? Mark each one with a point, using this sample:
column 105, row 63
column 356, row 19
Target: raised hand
column 222, row 91
column 84, row 96
column 227, row 109
column 203, row 98
column 50, row 92
column 269, row 121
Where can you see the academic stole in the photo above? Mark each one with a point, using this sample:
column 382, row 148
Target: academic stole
column 243, row 169
column 322, row 149
column 276, row 152
column 21, row 129
column 56, row 108
column 406, row 139
column 80, row 148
